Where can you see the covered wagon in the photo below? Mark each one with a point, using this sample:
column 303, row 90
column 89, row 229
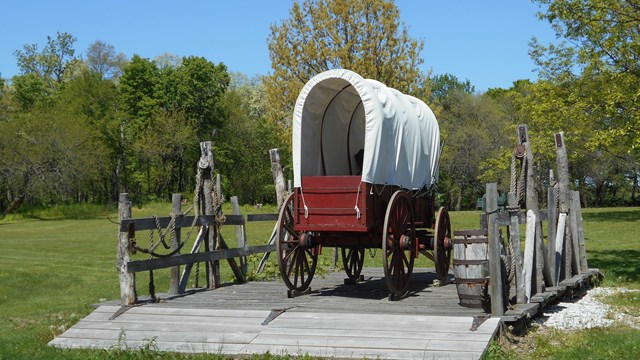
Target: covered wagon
column 365, row 164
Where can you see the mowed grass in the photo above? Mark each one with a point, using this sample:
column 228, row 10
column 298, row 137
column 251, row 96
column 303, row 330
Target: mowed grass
column 52, row 271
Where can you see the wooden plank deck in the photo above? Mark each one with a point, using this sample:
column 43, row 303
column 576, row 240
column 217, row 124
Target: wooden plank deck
column 334, row 321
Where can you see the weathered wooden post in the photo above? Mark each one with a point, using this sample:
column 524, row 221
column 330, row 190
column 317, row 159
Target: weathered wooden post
column 278, row 181
column 576, row 207
column 278, row 176
column 495, row 262
column 206, row 164
column 552, row 224
column 529, row 249
column 576, row 263
column 514, row 239
column 174, row 272
column 541, row 267
column 128, row 294
column 563, row 236
column 240, row 235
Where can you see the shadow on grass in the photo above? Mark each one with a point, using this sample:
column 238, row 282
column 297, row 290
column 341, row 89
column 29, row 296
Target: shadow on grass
column 614, row 215
column 619, row 266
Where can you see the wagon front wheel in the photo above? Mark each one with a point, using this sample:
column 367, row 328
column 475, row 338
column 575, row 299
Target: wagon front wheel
column 353, row 260
column 398, row 247
column 296, row 259
column 442, row 244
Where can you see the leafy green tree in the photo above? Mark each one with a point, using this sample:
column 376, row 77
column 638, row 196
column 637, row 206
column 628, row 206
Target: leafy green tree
column 242, row 149
column 195, row 88
column 472, row 128
column 47, row 157
column 52, row 62
column 364, row 36
column 596, row 67
column 138, row 88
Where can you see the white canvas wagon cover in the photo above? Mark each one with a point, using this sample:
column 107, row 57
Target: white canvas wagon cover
column 344, row 124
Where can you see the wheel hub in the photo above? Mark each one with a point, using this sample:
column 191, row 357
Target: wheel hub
column 406, row 242
column 306, row 240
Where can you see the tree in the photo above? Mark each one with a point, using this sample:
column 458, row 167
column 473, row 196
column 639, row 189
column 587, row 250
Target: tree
column 47, row 157
column 102, row 59
column 472, row 128
column 52, row 62
column 597, row 67
column 242, row 149
column 195, row 88
column 364, row 36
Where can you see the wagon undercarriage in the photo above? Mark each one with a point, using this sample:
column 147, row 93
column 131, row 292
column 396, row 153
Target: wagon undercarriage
column 390, row 223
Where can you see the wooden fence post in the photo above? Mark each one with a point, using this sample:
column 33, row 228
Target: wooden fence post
column 583, row 248
column 563, row 250
column 174, row 272
column 278, row 181
column 240, row 235
column 552, row 224
column 278, row 176
column 542, row 270
column 574, row 198
column 495, row 262
column 128, row 294
column 529, row 247
column 514, row 239
column 206, row 164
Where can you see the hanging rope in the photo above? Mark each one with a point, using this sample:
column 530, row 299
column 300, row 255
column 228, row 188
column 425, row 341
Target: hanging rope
column 518, row 186
column 152, row 286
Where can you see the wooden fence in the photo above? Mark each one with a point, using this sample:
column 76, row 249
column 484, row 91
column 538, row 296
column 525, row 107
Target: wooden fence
column 207, row 218
column 545, row 269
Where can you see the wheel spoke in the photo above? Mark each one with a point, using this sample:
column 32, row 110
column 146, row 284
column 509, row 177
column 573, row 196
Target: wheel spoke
column 290, row 230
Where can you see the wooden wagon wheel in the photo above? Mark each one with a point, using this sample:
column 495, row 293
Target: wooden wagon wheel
column 398, row 243
column 353, row 260
column 442, row 244
column 297, row 262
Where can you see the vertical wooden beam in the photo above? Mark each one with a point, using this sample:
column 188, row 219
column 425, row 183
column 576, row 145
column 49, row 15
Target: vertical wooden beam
column 174, row 272
column 495, row 262
column 574, row 197
column 564, row 204
column 552, row 223
column 278, row 181
column 562, row 163
column 560, row 232
column 128, row 294
column 206, row 164
column 514, row 238
column 529, row 247
column 278, row 176
column 584, row 266
column 241, row 235
column 542, row 270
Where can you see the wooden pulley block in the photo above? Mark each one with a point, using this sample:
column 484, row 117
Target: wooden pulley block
column 520, row 151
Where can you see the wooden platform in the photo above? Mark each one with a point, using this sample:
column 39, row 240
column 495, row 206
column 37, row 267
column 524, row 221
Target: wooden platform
column 334, row 321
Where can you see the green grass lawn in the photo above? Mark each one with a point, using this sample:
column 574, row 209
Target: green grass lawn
column 52, row 270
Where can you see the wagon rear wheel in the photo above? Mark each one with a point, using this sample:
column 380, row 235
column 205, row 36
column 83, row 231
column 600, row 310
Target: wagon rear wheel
column 297, row 261
column 398, row 246
column 442, row 244
column 353, row 260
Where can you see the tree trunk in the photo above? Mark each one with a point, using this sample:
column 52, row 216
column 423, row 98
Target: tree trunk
column 15, row 204
column 458, row 206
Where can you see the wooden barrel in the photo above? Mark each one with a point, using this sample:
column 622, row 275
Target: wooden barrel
column 471, row 267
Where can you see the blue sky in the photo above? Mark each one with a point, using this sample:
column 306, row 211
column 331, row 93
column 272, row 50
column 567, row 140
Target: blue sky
column 483, row 41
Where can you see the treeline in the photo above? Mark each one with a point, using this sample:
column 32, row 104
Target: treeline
column 83, row 128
